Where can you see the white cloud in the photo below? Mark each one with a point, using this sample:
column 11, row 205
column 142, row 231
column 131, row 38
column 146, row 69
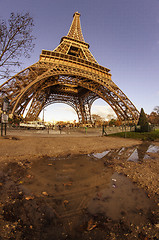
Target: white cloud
column 67, row 108
column 103, row 111
column 67, row 112
column 58, row 112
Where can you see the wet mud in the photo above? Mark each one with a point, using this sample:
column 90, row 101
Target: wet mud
column 77, row 197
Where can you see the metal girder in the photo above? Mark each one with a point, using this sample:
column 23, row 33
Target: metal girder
column 69, row 74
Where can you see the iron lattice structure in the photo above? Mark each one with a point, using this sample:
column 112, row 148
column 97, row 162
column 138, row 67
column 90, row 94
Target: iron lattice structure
column 68, row 74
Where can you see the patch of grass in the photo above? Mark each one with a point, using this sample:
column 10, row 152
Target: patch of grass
column 145, row 136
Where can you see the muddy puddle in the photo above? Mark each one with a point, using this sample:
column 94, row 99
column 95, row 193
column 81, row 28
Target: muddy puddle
column 77, row 197
column 135, row 153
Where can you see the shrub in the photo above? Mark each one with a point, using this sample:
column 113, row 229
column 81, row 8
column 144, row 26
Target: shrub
column 143, row 124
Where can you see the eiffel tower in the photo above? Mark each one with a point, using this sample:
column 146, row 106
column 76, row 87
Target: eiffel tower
column 68, row 74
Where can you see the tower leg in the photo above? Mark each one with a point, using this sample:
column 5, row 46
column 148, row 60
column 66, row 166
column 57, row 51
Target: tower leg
column 35, row 108
column 83, row 112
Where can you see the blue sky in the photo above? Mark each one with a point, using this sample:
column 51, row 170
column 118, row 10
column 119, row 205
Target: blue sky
column 123, row 36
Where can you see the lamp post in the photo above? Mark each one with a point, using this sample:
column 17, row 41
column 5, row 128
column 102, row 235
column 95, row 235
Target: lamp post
column 125, row 129
column 43, row 115
column 4, row 114
column 1, row 121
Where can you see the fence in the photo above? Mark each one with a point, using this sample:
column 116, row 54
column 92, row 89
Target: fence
column 74, row 131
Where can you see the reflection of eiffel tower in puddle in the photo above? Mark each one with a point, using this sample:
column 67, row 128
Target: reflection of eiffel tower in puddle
column 135, row 153
column 140, row 153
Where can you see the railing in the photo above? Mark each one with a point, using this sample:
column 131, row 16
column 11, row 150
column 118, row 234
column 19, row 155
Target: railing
column 73, row 131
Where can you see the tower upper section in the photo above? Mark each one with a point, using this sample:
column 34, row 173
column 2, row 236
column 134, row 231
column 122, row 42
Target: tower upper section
column 73, row 44
column 73, row 48
column 75, row 31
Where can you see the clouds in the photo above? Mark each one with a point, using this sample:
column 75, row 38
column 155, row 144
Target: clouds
column 59, row 112
column 64, row 112
column 103, row 111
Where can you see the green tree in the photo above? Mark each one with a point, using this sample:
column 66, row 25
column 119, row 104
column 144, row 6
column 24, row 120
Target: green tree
column 112, row 122
column 16, row 40
column 143, row 122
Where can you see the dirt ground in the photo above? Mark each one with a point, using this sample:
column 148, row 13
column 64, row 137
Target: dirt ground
column 21, row 147
column 15, row 147
column 20, row 152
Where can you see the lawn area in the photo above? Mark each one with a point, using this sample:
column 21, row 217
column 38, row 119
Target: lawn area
column 149, row 136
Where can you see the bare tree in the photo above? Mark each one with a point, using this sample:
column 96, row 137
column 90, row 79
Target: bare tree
column 154, row 116
column 156, row 109
column 97, row 119
column 16, row 40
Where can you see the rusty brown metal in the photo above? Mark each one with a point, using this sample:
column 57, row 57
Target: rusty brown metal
column 68, row 74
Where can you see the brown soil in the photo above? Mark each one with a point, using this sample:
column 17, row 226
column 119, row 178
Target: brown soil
column 24, row 162
column 16, row 147
column 20, row 147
